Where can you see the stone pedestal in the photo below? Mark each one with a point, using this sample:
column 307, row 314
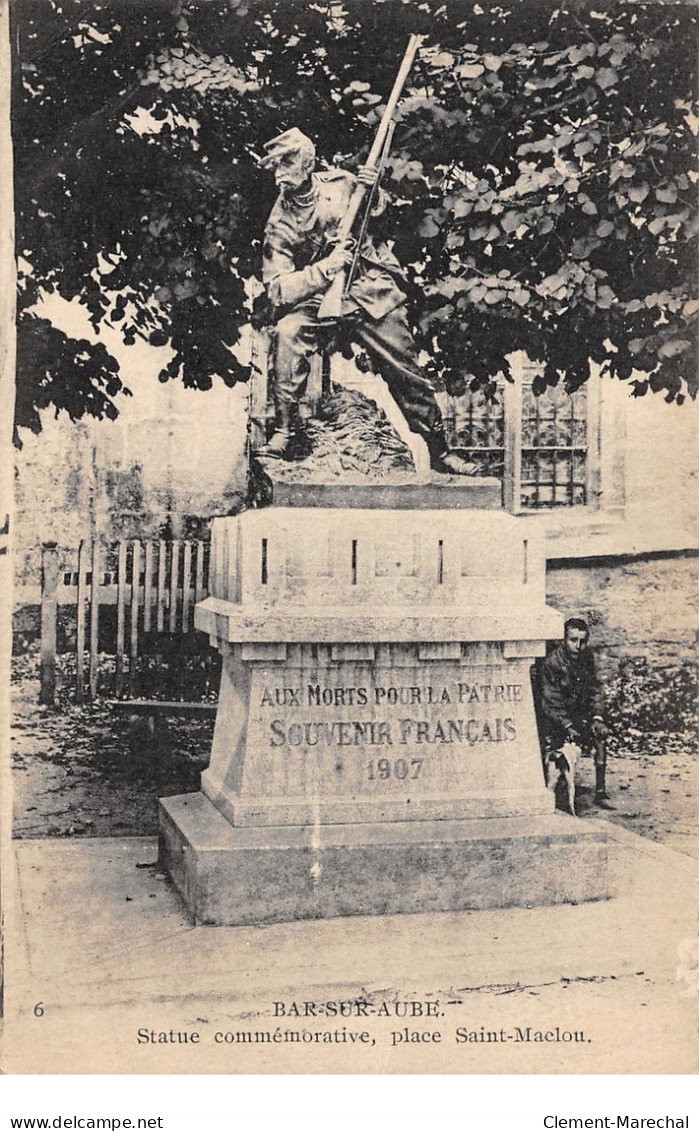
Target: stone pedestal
column 399, row 491
column 375, row 745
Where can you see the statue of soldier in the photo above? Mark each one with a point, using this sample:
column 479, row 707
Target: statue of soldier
column 301, row 256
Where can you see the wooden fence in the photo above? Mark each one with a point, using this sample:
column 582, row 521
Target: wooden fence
column 154, row 586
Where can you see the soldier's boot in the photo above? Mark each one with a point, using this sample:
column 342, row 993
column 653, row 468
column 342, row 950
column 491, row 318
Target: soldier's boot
column 445, row 461
column 278, row 444
column 602, row 798
column 451, row 463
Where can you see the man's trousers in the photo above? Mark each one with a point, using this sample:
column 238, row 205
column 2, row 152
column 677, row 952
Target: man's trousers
column 389, row 344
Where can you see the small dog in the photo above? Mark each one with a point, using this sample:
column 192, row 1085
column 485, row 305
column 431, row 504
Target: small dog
column 561, row 764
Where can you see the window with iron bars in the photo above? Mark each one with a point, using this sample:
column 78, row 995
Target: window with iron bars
column 544, row 448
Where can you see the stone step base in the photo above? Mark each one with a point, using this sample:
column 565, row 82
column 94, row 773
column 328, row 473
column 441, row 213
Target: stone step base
column 439, row 492
column 230, row 876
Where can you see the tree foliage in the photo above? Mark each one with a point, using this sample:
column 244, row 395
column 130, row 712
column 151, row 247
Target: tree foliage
column 543, row 178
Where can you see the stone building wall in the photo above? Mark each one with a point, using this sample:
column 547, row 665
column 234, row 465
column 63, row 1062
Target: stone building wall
column 172, row 460
column 645, row 607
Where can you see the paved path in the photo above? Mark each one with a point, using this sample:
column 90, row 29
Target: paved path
column 101, row 940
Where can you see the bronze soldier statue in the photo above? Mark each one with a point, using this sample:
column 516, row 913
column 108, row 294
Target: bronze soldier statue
column 301, row 257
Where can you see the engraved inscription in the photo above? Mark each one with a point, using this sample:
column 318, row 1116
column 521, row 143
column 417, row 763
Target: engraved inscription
column 412, row 695
column 394, row 734
column 401, row 769
column 370, row 733
column 342, row 733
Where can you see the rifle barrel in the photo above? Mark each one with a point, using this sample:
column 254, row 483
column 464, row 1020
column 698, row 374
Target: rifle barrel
column 332, row 301
column 408, row 60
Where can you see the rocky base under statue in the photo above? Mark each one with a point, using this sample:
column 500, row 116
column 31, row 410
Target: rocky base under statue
column 350, row 455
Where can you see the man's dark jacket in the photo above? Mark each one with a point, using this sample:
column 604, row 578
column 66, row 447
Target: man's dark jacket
column 571, row 694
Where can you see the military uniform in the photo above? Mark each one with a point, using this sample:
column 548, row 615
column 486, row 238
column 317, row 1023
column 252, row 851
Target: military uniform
column 571, row 703
column 300, row 232
column 571, row 696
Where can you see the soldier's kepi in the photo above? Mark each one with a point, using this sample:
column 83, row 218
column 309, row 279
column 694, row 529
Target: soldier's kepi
column 301, row 257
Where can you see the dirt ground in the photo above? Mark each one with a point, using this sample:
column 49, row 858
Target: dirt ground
column 86, row 771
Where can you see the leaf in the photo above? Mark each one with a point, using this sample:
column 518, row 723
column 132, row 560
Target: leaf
column 552, row 60
column 546, row 84
column 493, row 62
column 692, row 228
column 442, row 59
column 605, row 228
column 553, row 285
column 620, row 169
column 583, row 246
column 531, row 180
column 590, row 208
column 521, row 296
column 428, row 228
column 543, row 145
column 674, row 347
column 605, row 297
column 495, row 294
column 470, row 70
column 484, row 202
column 584, row 72
column 450, row 286
column 667, row 194
column 635, row 148
column 443, row 314
column 583, row 147
column 186, row 289
column 606, row 77
column 577, row 54
column 410, row 170
column 510, row 222
column 656, row 226
column 638, row 193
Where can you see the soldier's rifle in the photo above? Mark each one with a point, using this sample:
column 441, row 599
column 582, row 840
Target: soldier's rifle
column 366, row 217
column 331, row 306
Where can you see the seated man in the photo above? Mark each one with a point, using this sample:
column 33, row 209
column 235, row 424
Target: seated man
column 572, row 702
column 301, row 256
